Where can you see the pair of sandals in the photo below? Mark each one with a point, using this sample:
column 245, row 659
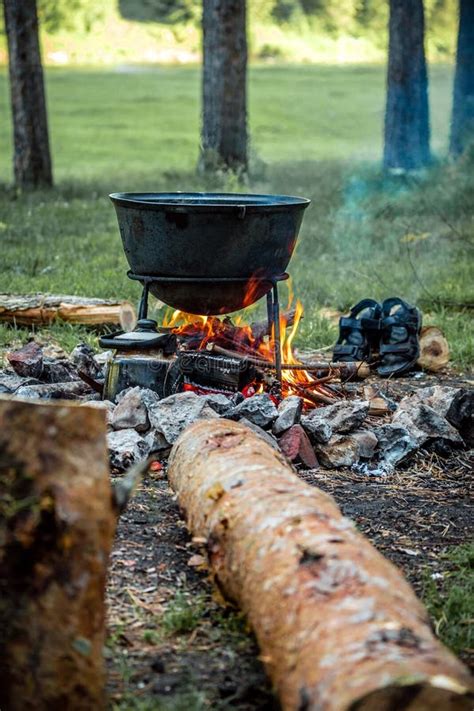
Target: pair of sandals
column 387, row 332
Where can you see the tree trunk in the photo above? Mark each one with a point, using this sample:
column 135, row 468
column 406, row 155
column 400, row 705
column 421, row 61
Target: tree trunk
column 407, row 129
column 462, row 120
column 338, row 626
column 224, row 92
column 57, row 522
column 31, row 160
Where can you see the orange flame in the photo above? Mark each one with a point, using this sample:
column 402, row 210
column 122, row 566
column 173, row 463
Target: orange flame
column 237, row 336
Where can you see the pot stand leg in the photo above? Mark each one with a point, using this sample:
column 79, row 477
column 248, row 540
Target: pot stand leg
column 143, row 305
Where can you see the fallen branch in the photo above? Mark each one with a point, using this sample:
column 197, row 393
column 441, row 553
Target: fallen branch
column 57, row 521
column 338, row 626
column 43, row 309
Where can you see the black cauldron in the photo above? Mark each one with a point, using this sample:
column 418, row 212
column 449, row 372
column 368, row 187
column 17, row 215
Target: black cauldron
column 208, row 253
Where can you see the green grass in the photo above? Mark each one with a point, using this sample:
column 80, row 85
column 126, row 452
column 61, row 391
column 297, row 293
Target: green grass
column 450, row 601
column 315, row 131
column 183, row 614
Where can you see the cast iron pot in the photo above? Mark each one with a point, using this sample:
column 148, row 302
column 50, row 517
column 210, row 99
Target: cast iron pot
column 246, row 241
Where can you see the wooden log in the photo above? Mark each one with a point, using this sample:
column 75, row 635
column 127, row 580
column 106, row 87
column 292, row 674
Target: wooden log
column 57, row 521
column 338, row 626
column 43, row 309
column 434, row 349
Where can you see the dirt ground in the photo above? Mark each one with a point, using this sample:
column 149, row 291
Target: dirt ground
column 173, row 645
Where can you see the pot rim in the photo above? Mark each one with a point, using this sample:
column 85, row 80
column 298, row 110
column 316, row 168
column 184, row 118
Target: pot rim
column 190, row 202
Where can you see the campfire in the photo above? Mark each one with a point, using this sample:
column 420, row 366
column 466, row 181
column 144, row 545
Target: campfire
column 249, row 352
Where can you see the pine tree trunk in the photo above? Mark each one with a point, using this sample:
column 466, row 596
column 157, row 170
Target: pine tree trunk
column 224, row 92
column 57, row 522
column 32, row 160
column 462, row 121
column 338, row 626
column 407, row 129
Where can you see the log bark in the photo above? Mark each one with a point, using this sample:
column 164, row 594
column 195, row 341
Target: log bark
column 31, row 157
column 338, row 626
column 224, row 91
column 57, row 522
column 462, row 119
column 407, row 128
column 43, row 309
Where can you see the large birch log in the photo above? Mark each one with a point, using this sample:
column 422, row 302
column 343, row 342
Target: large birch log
column 338, row 626
column 57, row 521
column 43, row 309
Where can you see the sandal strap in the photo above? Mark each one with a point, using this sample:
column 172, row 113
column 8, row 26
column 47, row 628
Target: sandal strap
column 399, row 349
column 347, row 350
column 371, row 324
column 350, row 323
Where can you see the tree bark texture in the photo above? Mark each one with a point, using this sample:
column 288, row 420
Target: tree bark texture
column 57, row 523
column 462, row 120
column 338, row 626
column 407, row 128
column 43, row 309
column 31, row 159
column 224, row 91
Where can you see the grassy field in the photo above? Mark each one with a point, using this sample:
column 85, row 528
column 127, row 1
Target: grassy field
column 316, row 131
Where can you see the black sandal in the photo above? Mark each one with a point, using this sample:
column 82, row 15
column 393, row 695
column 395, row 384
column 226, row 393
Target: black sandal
column 359, row 333
column 399, row 344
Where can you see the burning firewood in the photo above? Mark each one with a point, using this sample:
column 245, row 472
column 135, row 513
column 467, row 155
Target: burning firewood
column 337, row 624
column 57, row 522
column 43, row 309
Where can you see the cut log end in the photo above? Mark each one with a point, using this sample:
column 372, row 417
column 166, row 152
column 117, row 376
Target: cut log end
column 434, row 349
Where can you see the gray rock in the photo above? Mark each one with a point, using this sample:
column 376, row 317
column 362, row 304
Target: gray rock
column 461, row 415
column 438, row 397
column 259, row 409
column 289, row 414
column 220, row 403
column 156, row 442
column 340, row 451
column 126, row 447
column 342, row 417
column 317, row 428
column 132, row 409
column 366, row 441
column 83, row 357
column 106, row 405
column 54, row 391
column 394, row 443
column 58, row 370
column 423, row 423
column 266, row 436
column 10, row 382
column 173, row 414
